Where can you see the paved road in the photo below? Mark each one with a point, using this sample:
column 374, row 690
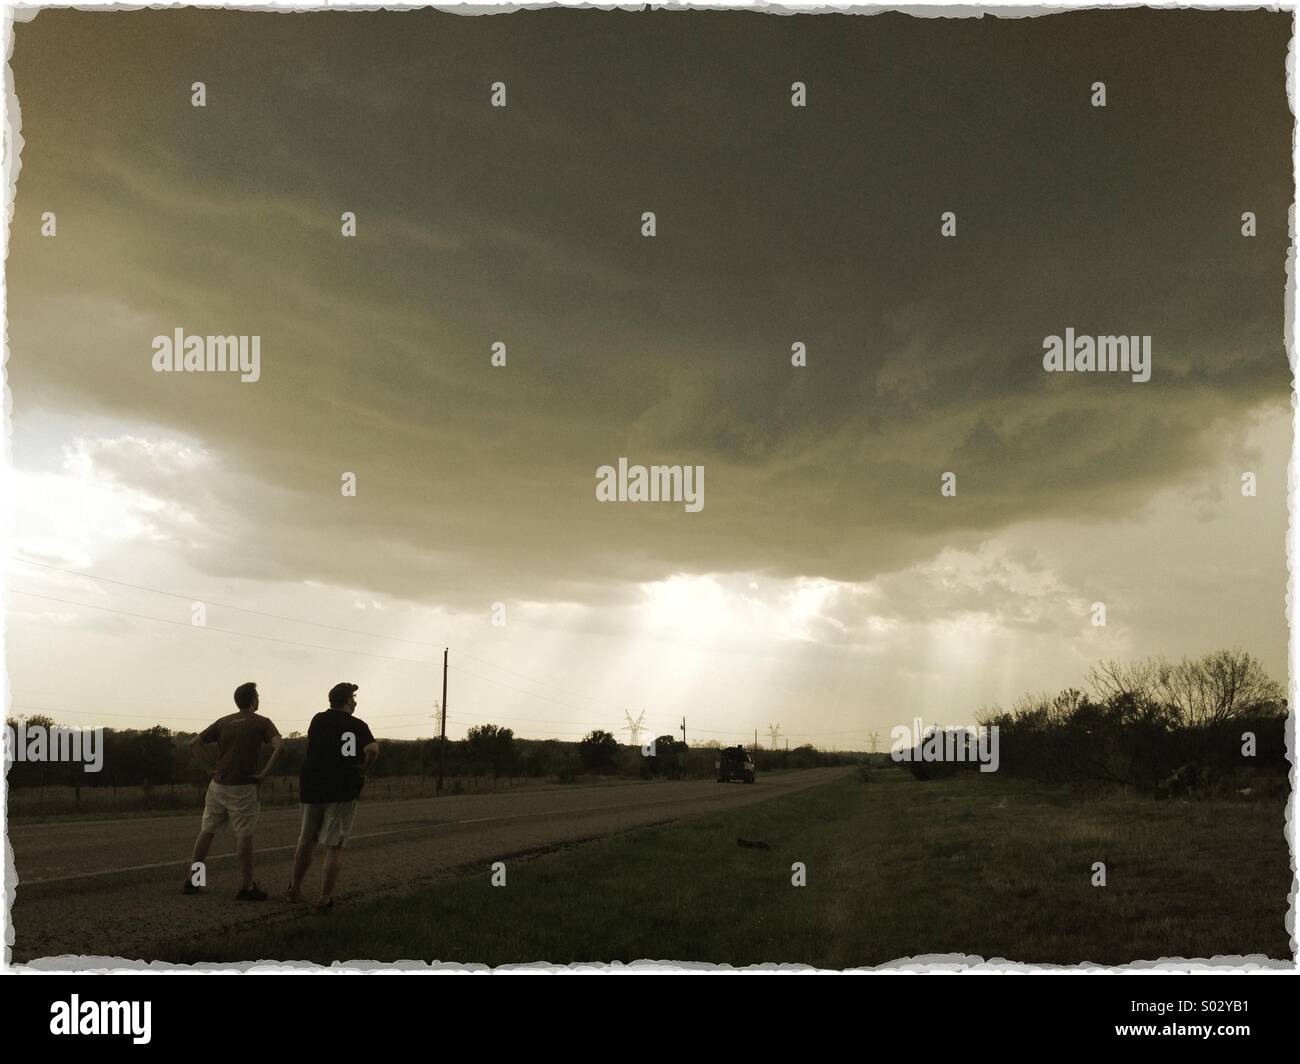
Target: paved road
column 112, row 888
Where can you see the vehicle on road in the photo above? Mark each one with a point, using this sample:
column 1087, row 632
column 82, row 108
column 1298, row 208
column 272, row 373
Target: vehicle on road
column 734, row 763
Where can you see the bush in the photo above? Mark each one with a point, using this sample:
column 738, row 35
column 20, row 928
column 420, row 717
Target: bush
column 670, row 756
column 931, row 770
column 488, row 746
column 567, row 767
column 1171, row 730
column 599, row 751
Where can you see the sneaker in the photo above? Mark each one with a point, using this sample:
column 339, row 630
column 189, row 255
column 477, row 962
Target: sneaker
column 292, row 895
column 320, row 908
column 253, row 893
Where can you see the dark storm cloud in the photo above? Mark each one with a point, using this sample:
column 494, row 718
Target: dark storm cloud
column 776, row 224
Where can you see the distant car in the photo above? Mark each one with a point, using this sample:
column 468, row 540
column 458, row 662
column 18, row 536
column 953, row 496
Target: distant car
column 734, row 763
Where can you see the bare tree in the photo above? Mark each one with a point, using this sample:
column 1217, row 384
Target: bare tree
column 1138, row 680
column 1220, row 687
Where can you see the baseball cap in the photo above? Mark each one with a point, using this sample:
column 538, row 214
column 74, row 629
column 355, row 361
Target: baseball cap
column 340, row 693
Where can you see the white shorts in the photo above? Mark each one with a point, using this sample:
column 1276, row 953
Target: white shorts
column 236, row 803
column 329, row 823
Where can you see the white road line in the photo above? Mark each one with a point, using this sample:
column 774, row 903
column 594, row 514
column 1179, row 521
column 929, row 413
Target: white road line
column 371, row 835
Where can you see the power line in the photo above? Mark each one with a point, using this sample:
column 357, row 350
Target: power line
column 539, row 683
column 282, row 617
column 156, row 718
column 594, row 724
column 44, row 711
column 222, row 605
column 574, row 704
column 519, row 690
column 289, row 642
column 213, row 628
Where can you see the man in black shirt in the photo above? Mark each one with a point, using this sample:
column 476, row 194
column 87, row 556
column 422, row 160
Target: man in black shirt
column 340, row 750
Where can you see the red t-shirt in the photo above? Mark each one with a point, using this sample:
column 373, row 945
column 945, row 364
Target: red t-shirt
column 239, row 738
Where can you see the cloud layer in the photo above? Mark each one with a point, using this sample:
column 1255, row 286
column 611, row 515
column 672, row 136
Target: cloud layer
column 776, row 225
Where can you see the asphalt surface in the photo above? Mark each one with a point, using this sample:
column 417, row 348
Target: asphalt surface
column 111, row 889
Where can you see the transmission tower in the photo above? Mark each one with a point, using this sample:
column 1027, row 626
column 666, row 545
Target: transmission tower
column 635, row 727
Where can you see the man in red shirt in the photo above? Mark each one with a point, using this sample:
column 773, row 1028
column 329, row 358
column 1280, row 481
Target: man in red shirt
column 232, row 794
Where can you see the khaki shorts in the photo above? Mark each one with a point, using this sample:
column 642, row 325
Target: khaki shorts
column 329, row 823
column 236, row 803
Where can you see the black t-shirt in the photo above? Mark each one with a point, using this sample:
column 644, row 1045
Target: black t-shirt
column 329, row 773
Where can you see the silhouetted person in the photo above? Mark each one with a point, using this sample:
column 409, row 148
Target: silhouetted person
column 340, row 750
column 232, row 794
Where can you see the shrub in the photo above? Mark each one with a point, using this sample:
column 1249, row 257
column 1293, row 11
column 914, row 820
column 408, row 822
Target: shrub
column 599, row 751
column 567, row 767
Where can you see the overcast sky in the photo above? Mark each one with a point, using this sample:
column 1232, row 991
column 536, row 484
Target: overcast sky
column 826, row 584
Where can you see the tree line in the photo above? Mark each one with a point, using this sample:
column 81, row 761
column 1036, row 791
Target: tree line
column 158, row 756
column 1168, row 728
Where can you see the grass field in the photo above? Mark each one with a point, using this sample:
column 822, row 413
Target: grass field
column 895, row 868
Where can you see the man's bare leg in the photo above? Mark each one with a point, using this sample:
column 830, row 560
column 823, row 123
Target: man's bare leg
column 301, row 862
column 244, row 848
column 332, row 865
column 202, row 845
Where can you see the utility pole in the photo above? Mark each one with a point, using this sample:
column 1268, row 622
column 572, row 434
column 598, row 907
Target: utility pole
column 755, row 738
column 442, row 741
column 437, row 708
column 683, row 731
